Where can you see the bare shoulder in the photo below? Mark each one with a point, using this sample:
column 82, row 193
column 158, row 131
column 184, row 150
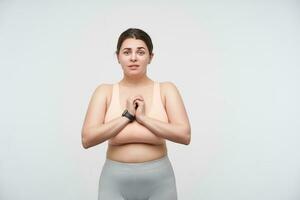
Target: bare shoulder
column 167, row 84
column 168, row 87
column 103, row 89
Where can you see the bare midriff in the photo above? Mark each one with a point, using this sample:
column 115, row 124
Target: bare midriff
column 136, row 152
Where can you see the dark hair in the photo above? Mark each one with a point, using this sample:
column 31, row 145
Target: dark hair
column 136, row 34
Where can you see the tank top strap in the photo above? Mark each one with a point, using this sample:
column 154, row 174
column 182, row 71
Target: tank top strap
column 158, row 109
column 115, row 94
column 156, row 90
column 114, row 106
column 156, row 95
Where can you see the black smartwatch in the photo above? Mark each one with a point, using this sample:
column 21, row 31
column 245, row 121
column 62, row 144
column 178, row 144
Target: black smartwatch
column 128, row 115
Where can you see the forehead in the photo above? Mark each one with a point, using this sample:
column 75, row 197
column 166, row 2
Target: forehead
column 133, row 43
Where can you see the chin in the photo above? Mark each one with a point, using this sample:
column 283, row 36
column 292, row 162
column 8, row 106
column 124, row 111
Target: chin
column 134, row 74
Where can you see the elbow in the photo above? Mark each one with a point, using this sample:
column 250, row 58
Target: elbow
column 187, row 139
column 186, row 136
column 84, row 141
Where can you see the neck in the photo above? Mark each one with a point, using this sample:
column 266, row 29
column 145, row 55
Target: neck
column 136, row 81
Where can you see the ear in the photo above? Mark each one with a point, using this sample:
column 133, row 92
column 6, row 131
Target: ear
column 117, row 57
column 151, row 56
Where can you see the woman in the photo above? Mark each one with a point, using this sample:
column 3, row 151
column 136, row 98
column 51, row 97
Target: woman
column 136, row 116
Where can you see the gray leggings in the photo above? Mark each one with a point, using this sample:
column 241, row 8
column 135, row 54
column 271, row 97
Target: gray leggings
column 151, row 180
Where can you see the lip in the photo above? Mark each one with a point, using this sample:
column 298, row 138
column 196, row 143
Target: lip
column 133, row 66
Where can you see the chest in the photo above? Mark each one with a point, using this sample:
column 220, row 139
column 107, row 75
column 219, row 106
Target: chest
column 146, row 93
column 154, row 101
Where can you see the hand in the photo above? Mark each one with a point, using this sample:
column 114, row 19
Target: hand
column 140, row 111
column 131, row 105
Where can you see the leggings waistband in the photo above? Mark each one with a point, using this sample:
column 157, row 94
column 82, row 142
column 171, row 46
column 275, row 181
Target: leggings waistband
column 160, row 162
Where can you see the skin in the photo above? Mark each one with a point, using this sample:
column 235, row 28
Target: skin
column 134, row 52
column 134, row 84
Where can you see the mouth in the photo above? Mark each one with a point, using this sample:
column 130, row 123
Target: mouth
column 133, row 66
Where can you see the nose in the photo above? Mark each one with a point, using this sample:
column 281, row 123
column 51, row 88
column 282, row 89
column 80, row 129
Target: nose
column 133, row 57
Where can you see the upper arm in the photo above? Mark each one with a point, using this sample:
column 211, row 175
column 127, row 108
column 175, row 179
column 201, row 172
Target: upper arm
column 174, row 105
column 97, row 107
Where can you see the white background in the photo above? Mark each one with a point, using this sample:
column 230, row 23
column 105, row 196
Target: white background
column 235, row 63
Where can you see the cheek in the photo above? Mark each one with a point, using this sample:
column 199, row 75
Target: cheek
column 122, row 57
column 144, row 59
column 122, row 60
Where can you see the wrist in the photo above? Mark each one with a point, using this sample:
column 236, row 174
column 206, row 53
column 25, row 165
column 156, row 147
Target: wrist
column 141, row 119
column 125, row 119
column 126, row 114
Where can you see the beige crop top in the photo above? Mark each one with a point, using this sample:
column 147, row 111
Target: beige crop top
column 135, row 132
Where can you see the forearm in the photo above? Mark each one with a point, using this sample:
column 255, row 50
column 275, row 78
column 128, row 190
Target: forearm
column 96, row 135
column 178, row 133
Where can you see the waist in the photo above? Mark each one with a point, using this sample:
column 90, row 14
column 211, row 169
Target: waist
column 135, row 152
column 134, row 166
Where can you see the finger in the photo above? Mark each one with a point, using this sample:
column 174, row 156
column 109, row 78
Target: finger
column 138, row 97
column 139, row 102
column 136, row 105
column 132, row 99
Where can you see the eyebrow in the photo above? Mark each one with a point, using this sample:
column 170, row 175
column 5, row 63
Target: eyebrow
column 137, row 48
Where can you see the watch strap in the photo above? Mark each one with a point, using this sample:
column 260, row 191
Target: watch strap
column 128, row 115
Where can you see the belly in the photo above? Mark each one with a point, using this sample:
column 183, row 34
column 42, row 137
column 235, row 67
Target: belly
column 136, row 152
column 136, row 133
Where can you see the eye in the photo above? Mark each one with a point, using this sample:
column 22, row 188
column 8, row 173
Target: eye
column 141, row 52
column 126, row 52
